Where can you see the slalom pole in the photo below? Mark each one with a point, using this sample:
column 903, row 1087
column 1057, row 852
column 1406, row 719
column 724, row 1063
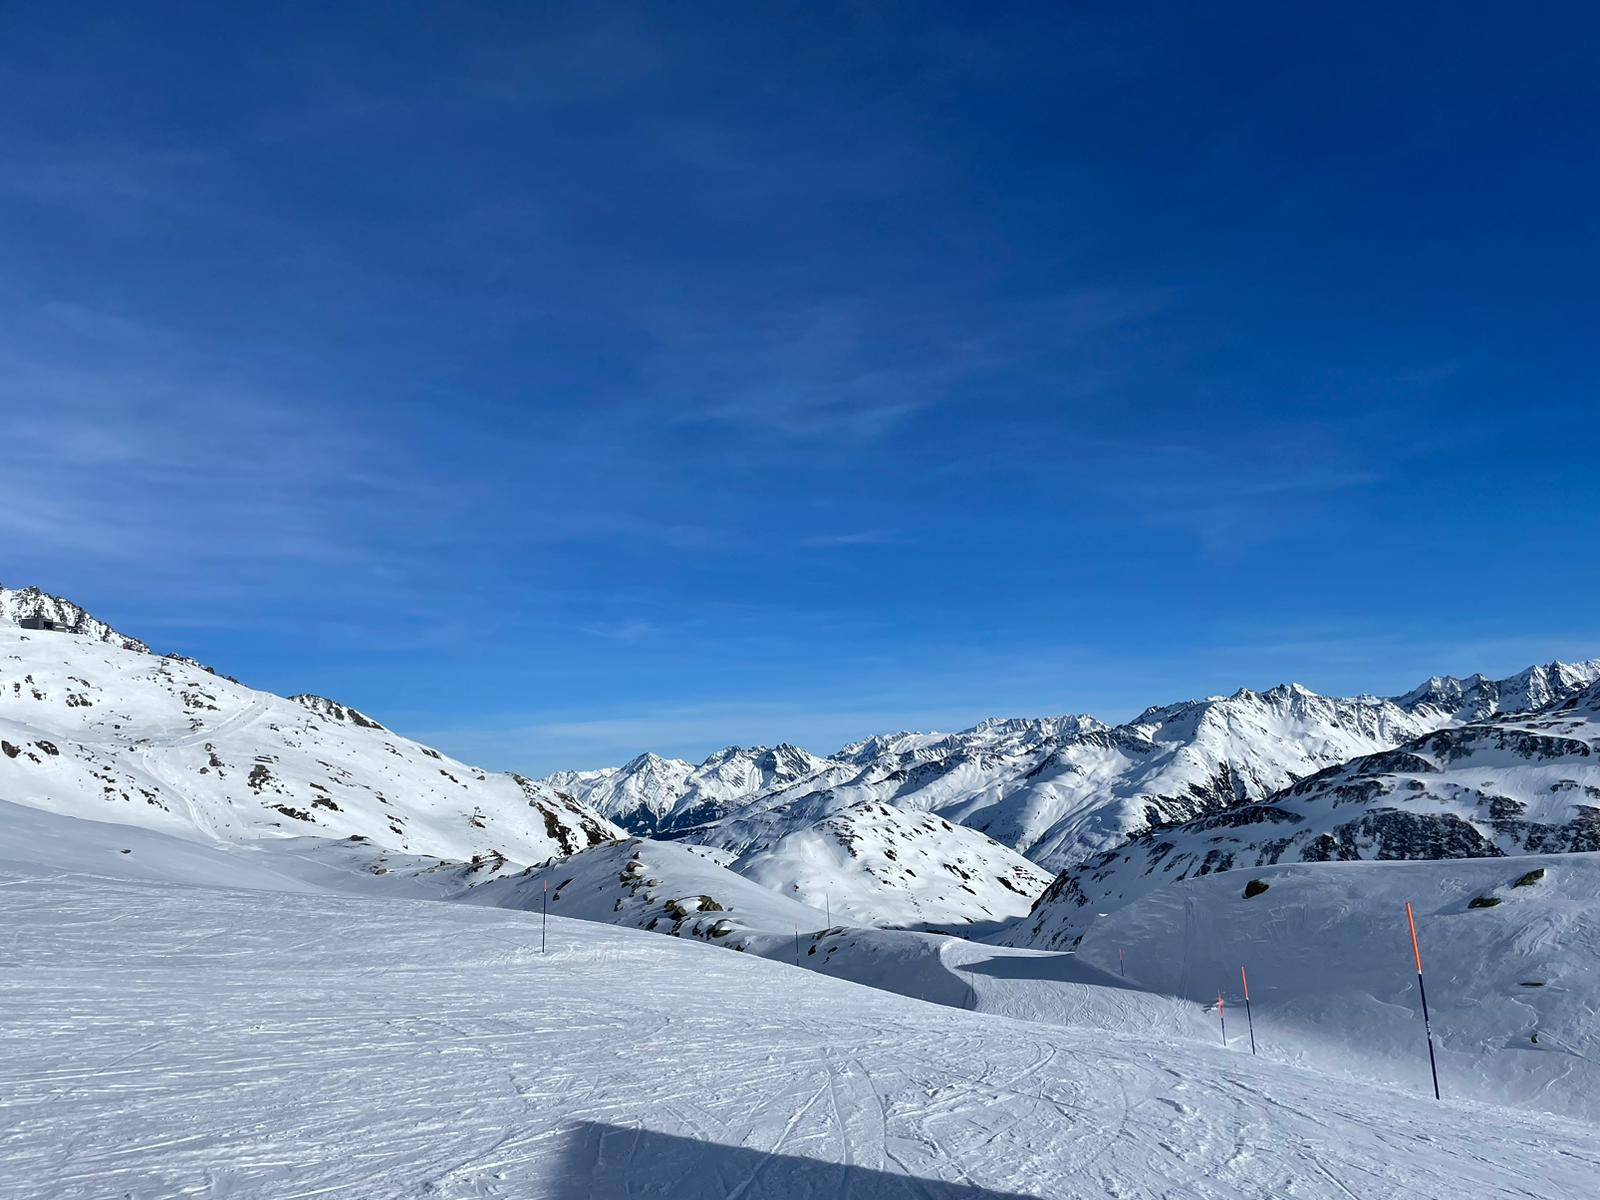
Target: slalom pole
column 1247, row 1015
column 544, row 920
column 1422, row 991
column 1121, row 966
column 1223, row 1017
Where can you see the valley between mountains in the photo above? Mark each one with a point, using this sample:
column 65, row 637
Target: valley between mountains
column 979, row 963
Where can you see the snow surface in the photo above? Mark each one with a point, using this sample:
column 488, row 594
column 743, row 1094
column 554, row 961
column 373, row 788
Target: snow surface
column 163, row 1040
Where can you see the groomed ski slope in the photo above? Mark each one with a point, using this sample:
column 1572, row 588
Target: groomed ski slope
column 162, row 1040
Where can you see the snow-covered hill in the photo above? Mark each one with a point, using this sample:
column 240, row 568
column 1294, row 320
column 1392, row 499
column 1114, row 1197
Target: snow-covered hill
column 669, row 887
column 875, row 864
column 1511, row 948
column 1518, row 783
column 162, row 1041
column 93, row 726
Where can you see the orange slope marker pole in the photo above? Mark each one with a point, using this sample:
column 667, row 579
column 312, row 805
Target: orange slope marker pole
column 1427, row 1027
column 1247, row 1015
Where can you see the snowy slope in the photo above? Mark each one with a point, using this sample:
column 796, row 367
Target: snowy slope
column 1513, row 784
column 90, row 728
column 686, row 891
column 1512, row 988
column 162, row 1041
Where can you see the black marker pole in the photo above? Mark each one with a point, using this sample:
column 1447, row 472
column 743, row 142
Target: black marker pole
column 1422, row 991
column 1244, row 979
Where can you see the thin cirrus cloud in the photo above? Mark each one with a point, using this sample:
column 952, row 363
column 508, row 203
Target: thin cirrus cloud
column 859, row 537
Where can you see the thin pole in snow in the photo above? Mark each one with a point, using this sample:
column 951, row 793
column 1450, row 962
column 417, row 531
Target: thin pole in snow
column 1121, row 968
column 544, row 920
column 797, row 945
column 1245, row 979
column 1222, row 1016
column 1427, row 1027
column 828, row 900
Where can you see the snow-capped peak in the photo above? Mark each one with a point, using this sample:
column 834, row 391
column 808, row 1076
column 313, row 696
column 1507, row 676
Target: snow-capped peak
column 1477, row 696
column 18, row 604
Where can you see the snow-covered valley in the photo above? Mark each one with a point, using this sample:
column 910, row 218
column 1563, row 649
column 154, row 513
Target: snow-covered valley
column 265, row 946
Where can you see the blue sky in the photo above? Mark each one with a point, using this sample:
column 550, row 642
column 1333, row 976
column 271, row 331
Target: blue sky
column 559, row 382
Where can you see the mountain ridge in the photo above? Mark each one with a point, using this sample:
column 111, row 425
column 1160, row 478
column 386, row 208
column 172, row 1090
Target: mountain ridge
column 1060, row 789
column 1510, row 784
column 93, row 725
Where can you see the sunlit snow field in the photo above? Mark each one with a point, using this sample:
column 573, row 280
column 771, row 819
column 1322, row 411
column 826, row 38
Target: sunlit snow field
column 164, row 1040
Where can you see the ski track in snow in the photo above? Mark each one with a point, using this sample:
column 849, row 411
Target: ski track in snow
column 164, row 1041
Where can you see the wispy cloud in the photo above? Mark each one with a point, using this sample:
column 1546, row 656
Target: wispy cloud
column 630, row 630
column 137, row 450
column 858, row 537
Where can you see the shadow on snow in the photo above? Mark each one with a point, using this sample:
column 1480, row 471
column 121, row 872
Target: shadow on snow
column 609, row 1161
column 1061, row 968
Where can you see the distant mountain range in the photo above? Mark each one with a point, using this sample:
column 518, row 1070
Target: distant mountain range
column 1510, row 783
column 1057, row 790
column 916, row 830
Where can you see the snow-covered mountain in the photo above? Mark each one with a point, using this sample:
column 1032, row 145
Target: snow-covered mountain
column 1511, row 784
column 93, row 725
column 1449, row 699
column 658, row 796
column 637, row 795
column 1057, row 789
column 18, row 603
